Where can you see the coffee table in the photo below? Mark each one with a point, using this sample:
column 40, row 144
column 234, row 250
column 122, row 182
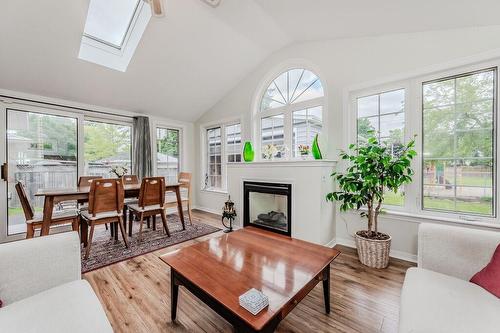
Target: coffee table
column 220, row 269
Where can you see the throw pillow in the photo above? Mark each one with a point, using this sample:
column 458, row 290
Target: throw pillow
column 489, row 277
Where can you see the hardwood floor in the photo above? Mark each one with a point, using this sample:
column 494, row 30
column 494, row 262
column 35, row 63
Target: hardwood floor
column 136, row 296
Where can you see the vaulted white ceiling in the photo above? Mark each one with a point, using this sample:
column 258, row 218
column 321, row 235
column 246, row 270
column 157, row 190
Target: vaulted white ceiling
column 189, row 59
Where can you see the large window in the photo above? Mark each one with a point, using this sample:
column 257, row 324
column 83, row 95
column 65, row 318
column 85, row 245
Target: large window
column 233, row 143
column 383, row 115
column 213, row 176
column 290, row 112
column 167, row 153
column 107, row 145
column 458, row 143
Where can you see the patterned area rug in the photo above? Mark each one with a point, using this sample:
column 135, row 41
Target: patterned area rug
column 106, row 251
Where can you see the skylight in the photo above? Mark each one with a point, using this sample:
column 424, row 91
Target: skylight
column 108, row 21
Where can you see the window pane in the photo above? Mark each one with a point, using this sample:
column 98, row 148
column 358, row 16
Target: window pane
column 273, row 133
column 233, row 143
column 41, row 154
column 306, row 124
column 458, row 143
column 106, row 146
column 109, row 20
column 383, row 114
column 167, row 153
column 293, row 86
column 214, row 142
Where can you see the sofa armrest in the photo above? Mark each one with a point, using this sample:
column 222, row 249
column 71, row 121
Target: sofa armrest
column 30, row 266
column 456, row 251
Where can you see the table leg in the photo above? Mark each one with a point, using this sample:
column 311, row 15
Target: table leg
column 174, row 294
column 179, row 206
column 116, row 230
column 48, row 207
column 326, row 288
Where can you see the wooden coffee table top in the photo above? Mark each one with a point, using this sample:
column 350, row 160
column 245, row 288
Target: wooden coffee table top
column 227, row 266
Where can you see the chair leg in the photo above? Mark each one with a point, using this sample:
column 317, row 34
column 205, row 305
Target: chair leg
column 154, row 222
column 30, row 230
column 130, row 222
column 164, row 221
column 148, row 219
column 89, row 242
column 122, row 230
column 141, row 222
column 106, row 225
column 74, row 224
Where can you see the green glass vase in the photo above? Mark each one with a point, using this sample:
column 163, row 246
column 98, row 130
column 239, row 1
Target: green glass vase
column 316, row 152
column 248, row 152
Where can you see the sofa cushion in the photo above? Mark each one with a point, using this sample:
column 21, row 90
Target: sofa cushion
column 72, row 307
column 432, row 302
column 489, row 277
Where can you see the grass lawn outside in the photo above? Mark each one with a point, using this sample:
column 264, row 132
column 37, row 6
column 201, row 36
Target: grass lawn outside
column 483, row 207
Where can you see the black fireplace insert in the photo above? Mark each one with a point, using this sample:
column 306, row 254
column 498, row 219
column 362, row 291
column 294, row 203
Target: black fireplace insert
column 268, row 206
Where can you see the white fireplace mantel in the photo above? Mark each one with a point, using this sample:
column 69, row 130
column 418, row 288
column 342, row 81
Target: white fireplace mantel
column 312, row 215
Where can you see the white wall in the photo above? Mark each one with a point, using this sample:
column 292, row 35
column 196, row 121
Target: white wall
column 342, row 64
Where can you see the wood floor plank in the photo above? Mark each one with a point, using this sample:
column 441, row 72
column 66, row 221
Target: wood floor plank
column 136, row 296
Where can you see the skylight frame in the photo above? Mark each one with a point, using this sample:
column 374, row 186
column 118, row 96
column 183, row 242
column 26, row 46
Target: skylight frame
column 130, row 25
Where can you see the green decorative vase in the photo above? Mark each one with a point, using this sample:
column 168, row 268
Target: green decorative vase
column 248, row 152
column 316, row 152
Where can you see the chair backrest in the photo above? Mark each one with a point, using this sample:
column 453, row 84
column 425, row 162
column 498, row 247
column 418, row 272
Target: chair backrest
column 23, row 198
column 152, row 191
column 87, row 180
column 185, row 181
column 106, row 195
column 130, row 179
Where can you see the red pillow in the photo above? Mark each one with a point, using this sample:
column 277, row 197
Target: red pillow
column 489, row 277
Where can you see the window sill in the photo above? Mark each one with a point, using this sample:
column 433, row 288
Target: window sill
column 214, row 190
column 419, row 218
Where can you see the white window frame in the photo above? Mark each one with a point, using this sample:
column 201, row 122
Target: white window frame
column 413, row 125
column 104, row 54
column 287, row 111
column 204, row 153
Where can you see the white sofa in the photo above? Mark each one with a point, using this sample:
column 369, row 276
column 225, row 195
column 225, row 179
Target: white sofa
column 42, row 290
column 437, row 297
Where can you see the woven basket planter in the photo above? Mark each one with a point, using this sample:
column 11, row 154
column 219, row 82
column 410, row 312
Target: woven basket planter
column 373, row 253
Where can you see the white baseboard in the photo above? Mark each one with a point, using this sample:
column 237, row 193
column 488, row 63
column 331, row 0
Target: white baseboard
column 208, row 210
column 331, row 243
column 394, row 253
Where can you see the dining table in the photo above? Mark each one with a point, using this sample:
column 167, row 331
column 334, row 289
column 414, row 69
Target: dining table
column 54, row 196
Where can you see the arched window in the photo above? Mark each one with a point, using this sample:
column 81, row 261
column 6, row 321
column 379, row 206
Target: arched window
column 291, row 113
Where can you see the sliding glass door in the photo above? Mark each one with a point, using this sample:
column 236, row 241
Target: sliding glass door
column 41, row 152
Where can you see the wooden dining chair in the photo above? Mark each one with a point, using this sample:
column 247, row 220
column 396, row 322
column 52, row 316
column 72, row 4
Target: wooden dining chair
column 151, row 203
column 105, row 206
column 35, row 222
column 87, row 180
column 171, row 200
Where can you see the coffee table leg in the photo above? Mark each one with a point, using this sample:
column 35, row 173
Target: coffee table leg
column 174, row 294
column 326, row 288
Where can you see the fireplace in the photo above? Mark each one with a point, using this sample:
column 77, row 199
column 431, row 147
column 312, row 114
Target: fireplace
column 268, row 206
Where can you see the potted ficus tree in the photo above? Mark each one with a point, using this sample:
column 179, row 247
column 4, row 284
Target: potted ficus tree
column 373, row 168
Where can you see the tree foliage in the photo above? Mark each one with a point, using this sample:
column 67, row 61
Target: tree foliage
column 373, row 169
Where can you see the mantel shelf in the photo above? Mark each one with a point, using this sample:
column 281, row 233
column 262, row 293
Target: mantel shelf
column 287, row 163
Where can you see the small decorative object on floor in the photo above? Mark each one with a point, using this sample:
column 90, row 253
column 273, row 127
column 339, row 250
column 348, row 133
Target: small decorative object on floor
column 228, row 212
column 254, row 301
column 316, row 152
column 248, row 152
column 118, row 170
